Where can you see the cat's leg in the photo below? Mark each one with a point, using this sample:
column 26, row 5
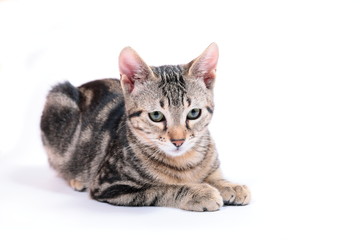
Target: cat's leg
column 233, row 194
column 192, row 197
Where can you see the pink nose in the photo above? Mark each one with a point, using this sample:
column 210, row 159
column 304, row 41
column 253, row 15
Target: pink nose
column 177, row 142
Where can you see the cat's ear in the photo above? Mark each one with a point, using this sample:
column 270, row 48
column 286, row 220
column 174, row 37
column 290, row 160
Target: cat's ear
column 204, row 66
column 132, row 69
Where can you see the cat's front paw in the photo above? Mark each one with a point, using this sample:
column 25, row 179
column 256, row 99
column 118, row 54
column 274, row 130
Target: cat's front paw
column 235, row 194
column 203, row 198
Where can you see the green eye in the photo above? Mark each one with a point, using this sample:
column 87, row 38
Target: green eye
column 194, row 114
column 156, row 116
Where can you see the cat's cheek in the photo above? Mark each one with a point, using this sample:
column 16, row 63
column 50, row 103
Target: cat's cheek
column 199, row 126
column 198, row 131
column 143, row 137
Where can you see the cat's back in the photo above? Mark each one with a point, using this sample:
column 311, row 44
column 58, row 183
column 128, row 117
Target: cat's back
column 70, row 109
column 97, row 94
column 77, row 120
column 102, row 106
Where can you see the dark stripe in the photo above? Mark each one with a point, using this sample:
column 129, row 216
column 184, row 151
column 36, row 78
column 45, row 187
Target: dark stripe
column 108, row 174
column 118, row 190
column 181, row 193
column 127, row 177
column 89, row 150
column 210, row 110
column 114, row 118
column 162, row 103
column 155, row 201
column 171, row 83
column 215, row 167
column 187, row 125
column 134, row 162
column 169, row 100
column 101, row 96
column 188, row 101
column 94, row 192
column 141, row 129
column 138, row 200
column 165, row 126
column 135, row 114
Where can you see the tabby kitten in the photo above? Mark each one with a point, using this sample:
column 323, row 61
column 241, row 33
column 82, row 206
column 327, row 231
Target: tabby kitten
column 143, row 140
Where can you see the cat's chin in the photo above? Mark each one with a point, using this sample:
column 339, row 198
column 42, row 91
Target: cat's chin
column 175, row 152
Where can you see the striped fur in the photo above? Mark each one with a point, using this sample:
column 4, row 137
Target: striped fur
column 99, row 138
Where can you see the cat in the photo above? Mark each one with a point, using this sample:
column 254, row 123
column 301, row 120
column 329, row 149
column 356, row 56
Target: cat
column 141, row 140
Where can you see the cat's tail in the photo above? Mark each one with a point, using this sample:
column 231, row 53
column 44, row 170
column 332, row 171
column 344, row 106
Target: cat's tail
column 60, row 124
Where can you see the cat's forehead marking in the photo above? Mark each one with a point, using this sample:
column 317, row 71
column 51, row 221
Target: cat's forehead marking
column 188, row 100
column 172, row 83
column 162, row 104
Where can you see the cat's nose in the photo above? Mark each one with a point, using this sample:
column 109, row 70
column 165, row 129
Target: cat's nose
column 177, row 142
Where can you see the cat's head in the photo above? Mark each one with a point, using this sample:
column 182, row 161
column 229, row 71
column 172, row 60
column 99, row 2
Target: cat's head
column 169, row 107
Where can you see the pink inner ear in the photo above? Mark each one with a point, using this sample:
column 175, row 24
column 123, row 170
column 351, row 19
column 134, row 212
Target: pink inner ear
column 126, row 69
column 129, row 63
column 205, row 65
column 127, row 83
column 209, row 78
column 132, row 68
column 210, row 58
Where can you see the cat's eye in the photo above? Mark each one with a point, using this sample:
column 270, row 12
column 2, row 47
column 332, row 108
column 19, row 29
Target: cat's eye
column 194, row 114
column 156, row 116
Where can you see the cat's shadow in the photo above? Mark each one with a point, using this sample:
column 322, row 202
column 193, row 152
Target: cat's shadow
column 41, row 178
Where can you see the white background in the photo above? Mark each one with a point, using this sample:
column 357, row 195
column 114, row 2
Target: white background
column 287, row 118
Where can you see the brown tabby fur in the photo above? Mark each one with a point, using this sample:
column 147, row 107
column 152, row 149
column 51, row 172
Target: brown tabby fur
column 100, row 136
